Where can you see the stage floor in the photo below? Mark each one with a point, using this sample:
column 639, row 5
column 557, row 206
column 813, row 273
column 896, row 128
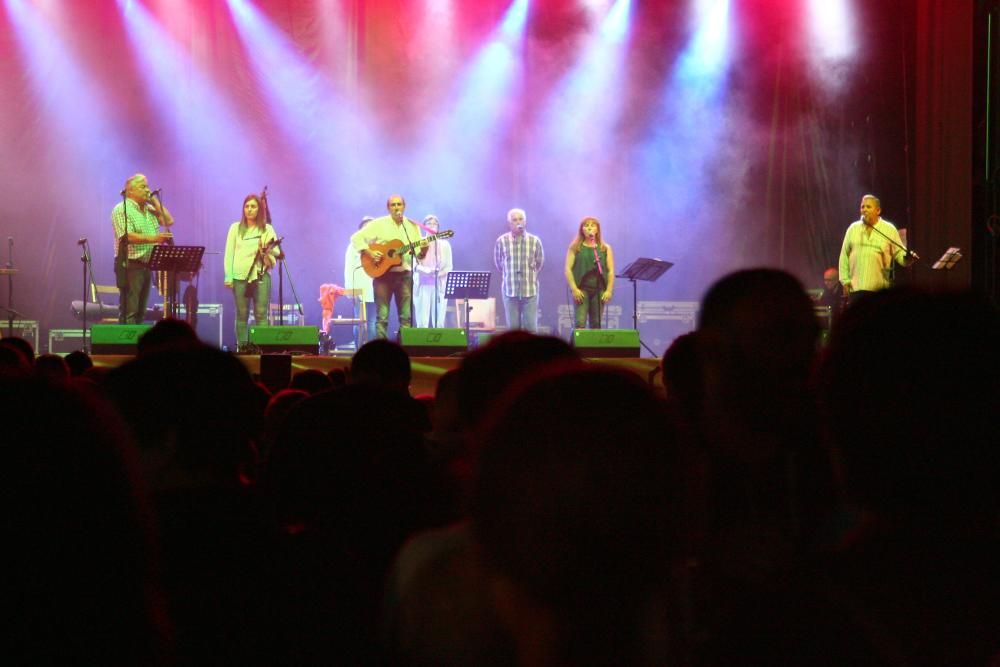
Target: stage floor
column 426, row 370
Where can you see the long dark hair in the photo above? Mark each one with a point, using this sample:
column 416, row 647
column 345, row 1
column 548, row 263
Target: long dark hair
column 261, row 212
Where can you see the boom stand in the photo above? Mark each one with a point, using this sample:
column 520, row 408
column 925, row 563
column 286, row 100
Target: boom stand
column 10, row 272
column 172, row 259
column 647, row 269
column 281, row 291
column 467, row 285
column 89, row 286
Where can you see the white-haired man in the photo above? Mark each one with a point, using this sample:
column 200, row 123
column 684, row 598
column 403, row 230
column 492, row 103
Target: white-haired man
column 519, row 256
column 136, row 221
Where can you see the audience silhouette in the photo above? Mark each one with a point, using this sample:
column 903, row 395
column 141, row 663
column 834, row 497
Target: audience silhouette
column 785, row 504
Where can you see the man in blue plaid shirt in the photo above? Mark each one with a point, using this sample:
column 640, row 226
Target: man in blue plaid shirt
column 518, row 255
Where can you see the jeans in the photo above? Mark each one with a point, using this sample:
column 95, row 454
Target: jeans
column 590, row 307
column 522, row 312
column 260, row 292
column 369, row 325
column 398, row 284
column 134, row 295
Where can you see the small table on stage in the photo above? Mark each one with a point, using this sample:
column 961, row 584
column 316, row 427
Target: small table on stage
column 467, row 285
column 173, row 259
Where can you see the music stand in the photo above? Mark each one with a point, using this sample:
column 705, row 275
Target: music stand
column 172, row 259
column 646, row 269
column 949, row 259
column 467, row 285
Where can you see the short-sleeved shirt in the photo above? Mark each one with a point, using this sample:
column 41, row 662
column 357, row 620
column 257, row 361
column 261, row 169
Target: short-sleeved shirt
column 140, row 221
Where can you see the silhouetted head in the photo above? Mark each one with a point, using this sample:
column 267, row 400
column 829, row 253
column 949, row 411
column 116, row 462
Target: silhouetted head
column 574, row 509
column 911, row 390
column 381, row 362
column 165, row 334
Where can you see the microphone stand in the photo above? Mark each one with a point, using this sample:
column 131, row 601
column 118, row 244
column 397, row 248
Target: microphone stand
column 877, row 231
column 10, row 286
column 281, row 292
column 122, row 244
column 413, row 259
column 88, row 285
column 437, row 271
column 281, row 269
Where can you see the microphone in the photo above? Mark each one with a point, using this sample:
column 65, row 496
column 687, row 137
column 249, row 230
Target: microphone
column 82, row 242
column 156, row 192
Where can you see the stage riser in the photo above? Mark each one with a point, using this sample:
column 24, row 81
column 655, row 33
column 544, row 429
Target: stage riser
column 426, row 370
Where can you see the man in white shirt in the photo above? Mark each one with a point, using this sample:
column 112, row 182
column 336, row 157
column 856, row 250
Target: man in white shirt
column 870, row 246
column 356, row 278
column 396, row 279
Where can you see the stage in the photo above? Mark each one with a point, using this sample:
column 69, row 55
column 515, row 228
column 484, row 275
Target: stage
column 426, row 370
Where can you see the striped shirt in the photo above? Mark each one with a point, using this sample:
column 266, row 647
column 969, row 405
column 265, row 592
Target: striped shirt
column 519, row 259
column 866, row 256
column 140, row 221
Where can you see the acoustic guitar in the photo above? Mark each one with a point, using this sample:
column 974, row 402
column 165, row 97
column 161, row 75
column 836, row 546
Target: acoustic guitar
column 393, row 252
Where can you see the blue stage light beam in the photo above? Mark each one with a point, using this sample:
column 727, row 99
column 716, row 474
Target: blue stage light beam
column 702, row 66
column 515, row 20
column 460, row 144
column 577, row 130
column 686, row 160
column 319, row 124
column 74, row 107
column 201, row 121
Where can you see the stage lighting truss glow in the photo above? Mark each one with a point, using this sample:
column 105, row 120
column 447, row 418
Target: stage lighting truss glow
column 831, row 29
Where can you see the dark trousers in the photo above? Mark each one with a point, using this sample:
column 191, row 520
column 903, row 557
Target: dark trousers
column 854, row 297
column 133, row 293
column 590, row 308
column 393, row 284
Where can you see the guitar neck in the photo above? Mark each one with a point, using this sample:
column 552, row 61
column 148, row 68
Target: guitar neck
column 413, row 246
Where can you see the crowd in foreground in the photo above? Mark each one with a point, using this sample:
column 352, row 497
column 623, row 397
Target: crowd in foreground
column 778, row 503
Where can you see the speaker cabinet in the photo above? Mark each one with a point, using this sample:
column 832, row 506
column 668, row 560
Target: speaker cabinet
column 116, row 338
column 433, row 342
column 606, row 342
column 292, row 339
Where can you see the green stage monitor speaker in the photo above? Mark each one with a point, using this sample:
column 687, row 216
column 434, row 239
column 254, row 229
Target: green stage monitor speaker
column 285, row 338
column 433, row 342
column 116, row 338
column 606, row 342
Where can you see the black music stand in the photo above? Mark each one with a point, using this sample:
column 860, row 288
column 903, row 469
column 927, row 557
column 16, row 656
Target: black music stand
column 173, row 259
column 467, row 285
column 646, row 269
